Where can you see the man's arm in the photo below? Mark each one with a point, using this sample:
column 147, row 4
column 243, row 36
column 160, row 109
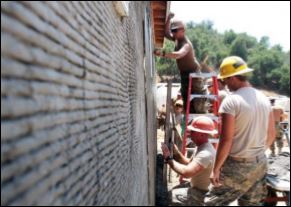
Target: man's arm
column 179, row 157
column 271, row 130
column 227, row 133
column 168, row 33
column 174, row 55
column 180, row 53
column 282, row 115
column 177, row 154
column 186, row 171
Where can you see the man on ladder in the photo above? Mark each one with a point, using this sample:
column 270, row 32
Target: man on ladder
column 186, row 62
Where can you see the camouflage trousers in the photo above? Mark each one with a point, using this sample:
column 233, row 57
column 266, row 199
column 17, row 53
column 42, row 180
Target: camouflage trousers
column 278, row 140
column 244, row 181
column 185, row 195
column 197, row 105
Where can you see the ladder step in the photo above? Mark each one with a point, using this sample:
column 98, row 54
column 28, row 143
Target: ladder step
column 215, row 97
column 211, row 116
column 203, row 75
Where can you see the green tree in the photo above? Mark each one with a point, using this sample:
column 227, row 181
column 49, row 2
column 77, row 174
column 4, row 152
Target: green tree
column 241, row 46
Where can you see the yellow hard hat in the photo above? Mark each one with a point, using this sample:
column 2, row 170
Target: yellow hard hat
column 232, row 66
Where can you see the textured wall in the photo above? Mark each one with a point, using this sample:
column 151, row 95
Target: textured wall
column 77, row 108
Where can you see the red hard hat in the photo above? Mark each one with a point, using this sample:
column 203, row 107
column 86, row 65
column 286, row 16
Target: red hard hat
column 203, row 124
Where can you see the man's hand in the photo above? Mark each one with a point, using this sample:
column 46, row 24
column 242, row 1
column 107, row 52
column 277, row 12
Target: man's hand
column 168, row 33
column 215, row 178
column 166, row 151
column 158, row 52
column 171, row 15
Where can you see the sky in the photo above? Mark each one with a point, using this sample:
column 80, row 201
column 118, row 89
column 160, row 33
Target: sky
column 256, row 18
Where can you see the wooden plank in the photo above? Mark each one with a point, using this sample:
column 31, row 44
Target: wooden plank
column 159, row 10
column 160, row 23
column 168, row 110
column 159, row 5
column 159, row 26
column 168, row 127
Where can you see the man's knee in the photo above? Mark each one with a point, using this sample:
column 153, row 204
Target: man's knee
column 196, row 197
column 215, row 200
column 179, row 195
column 221, row 196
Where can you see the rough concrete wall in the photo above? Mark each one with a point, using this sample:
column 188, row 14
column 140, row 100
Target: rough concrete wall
column 74, row 128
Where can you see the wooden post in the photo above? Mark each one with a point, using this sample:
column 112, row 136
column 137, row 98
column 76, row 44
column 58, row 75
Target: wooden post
column 168, row 127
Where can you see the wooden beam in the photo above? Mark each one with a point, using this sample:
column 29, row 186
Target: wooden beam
column 160, row 32
column 160, row 23
column 159, row 27
column 159, row 5
column 160, row 37
column 159, row 12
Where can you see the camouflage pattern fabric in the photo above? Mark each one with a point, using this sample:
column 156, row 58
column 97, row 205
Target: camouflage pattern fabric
column 185, row 195
column 244, row 181
column 278, row 140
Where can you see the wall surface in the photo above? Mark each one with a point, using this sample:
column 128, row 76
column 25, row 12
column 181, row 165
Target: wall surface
column 77, row 104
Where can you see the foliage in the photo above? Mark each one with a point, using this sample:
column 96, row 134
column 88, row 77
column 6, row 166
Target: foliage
column 271, row 64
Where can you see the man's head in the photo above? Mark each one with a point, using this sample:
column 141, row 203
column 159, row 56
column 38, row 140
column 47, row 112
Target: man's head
column 178, row 29
column 200, row 128
column 179, row 96
column 233, row 71
column 272, row 101
column 178, row 106
column 235, row 82
column 209, row 84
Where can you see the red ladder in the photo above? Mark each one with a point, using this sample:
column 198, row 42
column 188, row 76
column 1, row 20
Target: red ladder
column 214, row 116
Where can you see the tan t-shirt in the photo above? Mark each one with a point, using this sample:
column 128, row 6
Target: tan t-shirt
column 204, row 156
column 251, row 110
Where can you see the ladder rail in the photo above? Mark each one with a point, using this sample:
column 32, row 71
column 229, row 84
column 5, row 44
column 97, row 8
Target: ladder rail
column 193, row 96
column 203, row 75
column 216, row 103
column 187, row 115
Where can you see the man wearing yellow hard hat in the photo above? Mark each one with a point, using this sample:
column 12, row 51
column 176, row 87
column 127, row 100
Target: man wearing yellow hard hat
column 247, row 131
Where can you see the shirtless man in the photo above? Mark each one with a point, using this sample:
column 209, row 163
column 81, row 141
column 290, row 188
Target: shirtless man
column 186, row 62
column 278, row 116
